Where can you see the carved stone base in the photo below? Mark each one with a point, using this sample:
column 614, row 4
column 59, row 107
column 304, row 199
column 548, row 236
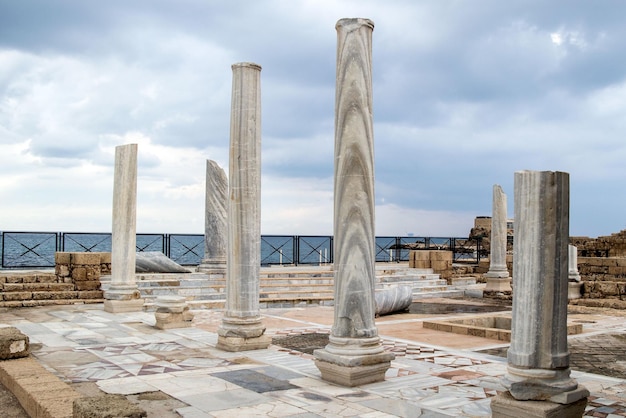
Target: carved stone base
column 574, row 290
column 498, row 284
column 118, row 306
column 506, row 406
column 243, row 344
column 351, row 376
column 352, row 371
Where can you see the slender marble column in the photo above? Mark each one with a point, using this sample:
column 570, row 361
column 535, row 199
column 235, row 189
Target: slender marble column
column 123, row 295
column 572, row 264
column 354, row 355
column 215, row 227
column 241, row 327
column 574, row 285
column 538, row 358
column 498, row 279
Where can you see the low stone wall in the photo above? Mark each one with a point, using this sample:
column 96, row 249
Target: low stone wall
column 76, row 279
column 603, row 278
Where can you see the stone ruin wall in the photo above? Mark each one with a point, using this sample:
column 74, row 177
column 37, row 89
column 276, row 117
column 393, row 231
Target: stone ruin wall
column 76, row 279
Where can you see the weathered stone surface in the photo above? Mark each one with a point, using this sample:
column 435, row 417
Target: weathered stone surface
column 215, row 226
column 498, row 275
column 157, row 262
column 393, row 299
column 106, row 406
column 354, row 354
column 123, row 237
column 505, row 406
column 538, row 358
column 241, row 322
column 13, row 344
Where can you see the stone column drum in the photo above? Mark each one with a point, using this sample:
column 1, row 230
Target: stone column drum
column 123, row 294
column 498, row 280
column 538, row 357
column 354, row 355
column 241, row 327
column 215, row 226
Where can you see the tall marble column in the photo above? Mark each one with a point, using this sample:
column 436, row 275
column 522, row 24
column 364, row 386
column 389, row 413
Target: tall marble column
column 123, row 294
column 498, row 280
column 241, row 327
column 354, row 355
column 538, row 357
column 215, row 227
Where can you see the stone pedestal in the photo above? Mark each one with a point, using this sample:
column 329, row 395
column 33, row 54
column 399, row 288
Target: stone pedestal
column 172, row 312
column 354, row 355
column 241, row 327
column 506, row 406
column 123, row 295
column 538, row 358
column 498, row 279
column 215, row 227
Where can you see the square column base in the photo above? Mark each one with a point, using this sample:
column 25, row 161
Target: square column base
column 498, row 284
column 352, row 370
column 506, row 406
column 118, row 306
column 234, row 344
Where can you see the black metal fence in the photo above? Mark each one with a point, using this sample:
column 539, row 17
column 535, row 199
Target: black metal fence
column 36, row 249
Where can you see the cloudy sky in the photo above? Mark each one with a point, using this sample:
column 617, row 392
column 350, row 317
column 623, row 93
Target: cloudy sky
column 465, row 94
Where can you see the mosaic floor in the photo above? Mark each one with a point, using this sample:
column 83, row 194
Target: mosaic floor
column 124, row 353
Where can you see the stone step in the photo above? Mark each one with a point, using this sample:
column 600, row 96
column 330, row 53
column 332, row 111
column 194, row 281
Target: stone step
column 451, row 293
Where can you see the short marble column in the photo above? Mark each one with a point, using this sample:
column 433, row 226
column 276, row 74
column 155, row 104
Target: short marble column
column 354, row 355
column 241, row 327
column 215, row 227
column 574, row 286
column 498, row 279
column 123, row 294
column 538, row 357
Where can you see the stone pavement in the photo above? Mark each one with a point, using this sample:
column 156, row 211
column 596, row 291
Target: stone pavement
column 435, row 374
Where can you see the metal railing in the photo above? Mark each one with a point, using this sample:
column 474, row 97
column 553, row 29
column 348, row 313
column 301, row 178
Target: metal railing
column 36, row 249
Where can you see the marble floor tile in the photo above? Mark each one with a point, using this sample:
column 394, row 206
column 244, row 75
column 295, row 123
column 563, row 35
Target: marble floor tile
column 217, row 401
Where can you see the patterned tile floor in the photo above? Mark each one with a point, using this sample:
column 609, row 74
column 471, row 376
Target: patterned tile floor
column 125, row 354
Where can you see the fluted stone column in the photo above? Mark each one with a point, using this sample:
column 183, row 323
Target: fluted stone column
column 241, row 327
column 215, row 227
column 574, row 285
column 354, row 355
column 538, row 357
column 498, row 280
column 123, row 295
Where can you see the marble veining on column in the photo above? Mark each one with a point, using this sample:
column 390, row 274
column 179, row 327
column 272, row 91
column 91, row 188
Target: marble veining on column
column 215, row 221
column 354, row 354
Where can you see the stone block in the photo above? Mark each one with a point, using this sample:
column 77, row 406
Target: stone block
column 440, row 255
column 91, row 294
column 85, row 259
column 505, row 406
column 352, row 376
column 29, row 279
column 235, row 344
column 62, row 258
column 13, row 344
column 54, row 295
column 87, row 285
column 105, row 258
column 106, row 406
column 46, row 278
column 14, row 278
column 119, row 306
column 79, row 273
column 17, row 296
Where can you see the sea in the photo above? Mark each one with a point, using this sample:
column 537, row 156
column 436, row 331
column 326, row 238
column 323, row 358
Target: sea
column 37, row 249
